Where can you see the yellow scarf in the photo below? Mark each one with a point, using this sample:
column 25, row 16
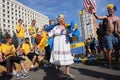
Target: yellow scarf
column 44, row 39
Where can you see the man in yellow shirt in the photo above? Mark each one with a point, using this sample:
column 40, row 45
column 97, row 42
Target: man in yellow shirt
column 28, row 50
column 32, row 31
column 8, row 51
column 20, row 31
column 1, row 62
column 1, row 56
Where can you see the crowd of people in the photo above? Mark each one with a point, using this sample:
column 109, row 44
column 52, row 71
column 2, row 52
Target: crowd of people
column 108, row 36
column 52, row 42
column 40, row 43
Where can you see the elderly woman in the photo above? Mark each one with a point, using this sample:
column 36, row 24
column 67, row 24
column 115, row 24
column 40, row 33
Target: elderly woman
column 61, row 54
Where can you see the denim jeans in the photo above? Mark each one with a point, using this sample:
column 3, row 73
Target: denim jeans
column 20, row 41
column 33, row 40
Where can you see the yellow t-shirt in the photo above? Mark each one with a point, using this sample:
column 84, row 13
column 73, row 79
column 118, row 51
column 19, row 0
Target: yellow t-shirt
column 27, row 47
column 8, row 48
column 0, row 47
column 21, row 34
column 32, row 29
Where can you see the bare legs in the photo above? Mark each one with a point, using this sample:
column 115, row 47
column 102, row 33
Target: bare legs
column 33, row 60
column 68, row 70
column 109, row 56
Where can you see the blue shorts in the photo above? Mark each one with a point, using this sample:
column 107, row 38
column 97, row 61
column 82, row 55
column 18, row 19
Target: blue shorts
column 117, row 43
column 109, row 41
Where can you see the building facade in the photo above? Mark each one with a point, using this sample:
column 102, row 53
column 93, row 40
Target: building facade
column 88, row 25
column 12, row 10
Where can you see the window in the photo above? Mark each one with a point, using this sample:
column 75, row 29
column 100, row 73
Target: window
column 3, row 6
column 3, row 10
column 8, row 26
column 15, row 10
column 3, row 20
column 8, row 16
column 7, row 3
column 8, row 21
column 8, row 7
column 3, row 15
column 12, row 13
column 3, row 1
column 11, row 4
column 12, row 22
column 12, row 9
column 4, row 25
column 12, row 17
column 8, row 12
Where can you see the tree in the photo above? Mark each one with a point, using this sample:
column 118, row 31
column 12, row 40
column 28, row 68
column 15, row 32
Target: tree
column 1, row 36
column 5, row 36
column 15, row 40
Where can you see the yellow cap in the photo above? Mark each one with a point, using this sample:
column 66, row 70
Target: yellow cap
column 60, row 16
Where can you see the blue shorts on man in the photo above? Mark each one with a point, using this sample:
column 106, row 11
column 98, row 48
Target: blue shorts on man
column 109, row 41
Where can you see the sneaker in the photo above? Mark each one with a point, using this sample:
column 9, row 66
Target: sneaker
column 25, row 75
column 14, row 73
column 26, row 71
column 32, row 68
column 10, row 74
column 70, row 75
column 18, row 76
column 46, row 66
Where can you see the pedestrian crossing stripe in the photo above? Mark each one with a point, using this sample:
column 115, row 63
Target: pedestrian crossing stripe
column 76, row 45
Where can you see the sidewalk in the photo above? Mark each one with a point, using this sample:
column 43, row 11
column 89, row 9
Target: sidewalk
column 81, row 72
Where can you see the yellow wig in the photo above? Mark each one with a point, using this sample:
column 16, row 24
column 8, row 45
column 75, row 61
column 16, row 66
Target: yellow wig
column 110, row 6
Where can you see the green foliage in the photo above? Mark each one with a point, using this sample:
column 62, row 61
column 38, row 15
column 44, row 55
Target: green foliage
column 1, row 36
column 15, row 40
column 5, row 36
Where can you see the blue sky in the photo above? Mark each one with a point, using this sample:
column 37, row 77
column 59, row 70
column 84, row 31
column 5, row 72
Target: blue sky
column 70, row 8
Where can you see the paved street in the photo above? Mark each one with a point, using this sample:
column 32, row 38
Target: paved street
column 81, row 72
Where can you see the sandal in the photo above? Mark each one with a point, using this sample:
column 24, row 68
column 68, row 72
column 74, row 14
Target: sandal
column 70, row 75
